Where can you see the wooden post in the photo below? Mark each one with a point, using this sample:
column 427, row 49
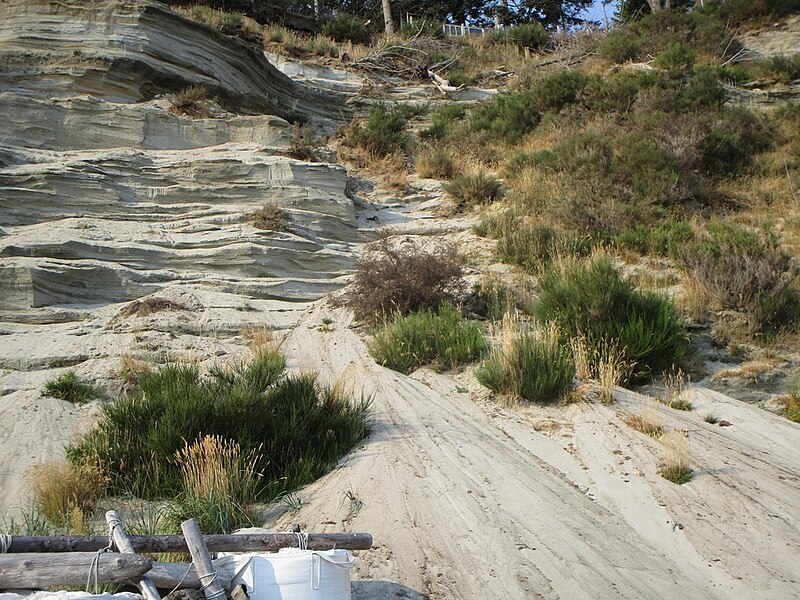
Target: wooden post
column 124, row 545
column 202, row 560
column 32, row 571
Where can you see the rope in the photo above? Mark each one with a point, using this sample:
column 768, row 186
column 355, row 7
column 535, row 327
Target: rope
column 302, row 540
column 94, row 566
column 185, row 575
column 203, row 588
column 5, row 543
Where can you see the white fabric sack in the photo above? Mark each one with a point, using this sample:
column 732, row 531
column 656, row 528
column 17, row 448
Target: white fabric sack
column 294, row 574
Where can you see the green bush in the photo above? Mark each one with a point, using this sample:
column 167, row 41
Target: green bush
column 745, row 269
column 677, row 59
column 619, row 47
column 344, row 28
column 661, row 240
column 704, row 91
column 443, row 121
column 431, row 337
column 294, row 427
column 322, row 46
column 383, row 133
column 471, row 189
column 529, row 364
column 67, row 387
column 617, row 92
column 557, row 91
column 739, row 11
column 533, row 247
column 590, row 298
column 523, row 35
column 732, row 141
column 785, row 68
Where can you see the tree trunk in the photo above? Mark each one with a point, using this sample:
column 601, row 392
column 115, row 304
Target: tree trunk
column 659, row 5
column 387, row 17
column 31, row 571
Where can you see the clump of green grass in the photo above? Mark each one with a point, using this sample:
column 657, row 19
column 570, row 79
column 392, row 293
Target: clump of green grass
column 711, row 418
column 528, row 363
column 475, row 188
column 230, row 23
column 590, row 298
column 67, row 387
column 384, row 131
column 444, row 121
column 430, row 337
column 297, row 427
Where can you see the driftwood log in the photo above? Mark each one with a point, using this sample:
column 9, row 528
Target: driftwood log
column 32, row 571
column 250, row 542
column 202, row 560
column 122, row 542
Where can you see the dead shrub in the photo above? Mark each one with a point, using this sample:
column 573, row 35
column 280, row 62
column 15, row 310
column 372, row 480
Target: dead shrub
column 404, row 278
column 270, row 217
column 149, row 306
column 192, row 102
column 303, row 143
column 67, row 492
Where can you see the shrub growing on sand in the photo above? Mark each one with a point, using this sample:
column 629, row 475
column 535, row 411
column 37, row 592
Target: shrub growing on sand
column 526, row 363
column 440, row 337
column 435, row 163
column 293, row 427
column 590, row 298
column 67, row 387
column 474, row 188
column 383, row 132
column 745, row 269
column 404, row 279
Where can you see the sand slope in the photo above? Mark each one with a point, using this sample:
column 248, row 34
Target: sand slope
column 468, row 499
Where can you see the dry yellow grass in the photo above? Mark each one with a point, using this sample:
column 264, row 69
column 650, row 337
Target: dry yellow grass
column 261, row 341
column 131, row 369
column 646, row 421
column 674, row 464
column 752, row 370
column 66, row 492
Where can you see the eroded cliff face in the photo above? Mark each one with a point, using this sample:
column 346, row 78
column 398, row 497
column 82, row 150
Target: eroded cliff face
column 107, row 197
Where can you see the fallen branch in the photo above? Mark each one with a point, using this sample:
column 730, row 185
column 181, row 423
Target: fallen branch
column 43, row 570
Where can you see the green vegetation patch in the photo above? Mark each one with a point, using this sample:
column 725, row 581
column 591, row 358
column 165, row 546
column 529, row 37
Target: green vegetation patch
column 67, row 387
column 291, row 427
column 438, row 337
column 590, row 298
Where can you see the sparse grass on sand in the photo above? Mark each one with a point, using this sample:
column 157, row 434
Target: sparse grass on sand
column 646, row 421
column 675, row 458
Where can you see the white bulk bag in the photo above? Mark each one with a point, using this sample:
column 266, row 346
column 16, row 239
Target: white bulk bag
column 294, row 574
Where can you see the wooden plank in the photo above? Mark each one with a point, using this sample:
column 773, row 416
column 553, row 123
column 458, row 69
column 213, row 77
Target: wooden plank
column 122, row 542
column 42, row 570
column 183, row 575
column 251, row 542
column 202, row 560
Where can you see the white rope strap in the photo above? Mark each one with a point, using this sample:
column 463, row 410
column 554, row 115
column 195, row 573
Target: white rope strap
column 94, row 566
column 210, row 581
column 302, row 540
column 5, row 543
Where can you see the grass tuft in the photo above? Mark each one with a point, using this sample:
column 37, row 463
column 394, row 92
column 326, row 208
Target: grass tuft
column 270, row 217
column 67, row 387
column 675, row 458
column 476, row 188
column 526, row 363
column 431, row 337
column 646, row 421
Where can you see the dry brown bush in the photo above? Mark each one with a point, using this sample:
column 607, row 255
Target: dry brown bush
column 192, row 102
column 149, row 306
column 66, row 492
column 404, row 278
column 270, row 217
column 646, row 421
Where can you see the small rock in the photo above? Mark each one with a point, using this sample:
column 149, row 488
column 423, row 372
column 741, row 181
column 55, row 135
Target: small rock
column 725, row 423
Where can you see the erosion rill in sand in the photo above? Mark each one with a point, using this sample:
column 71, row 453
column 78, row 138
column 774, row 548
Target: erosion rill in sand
column 107, row 197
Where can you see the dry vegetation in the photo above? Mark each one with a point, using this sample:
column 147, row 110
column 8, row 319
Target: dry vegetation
column 270, row 217
column 674, row 464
